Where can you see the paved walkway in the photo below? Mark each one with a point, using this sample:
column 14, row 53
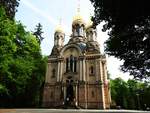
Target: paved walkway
column 67, row 111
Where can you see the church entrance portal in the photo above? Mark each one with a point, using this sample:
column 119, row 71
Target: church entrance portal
column 69, row 93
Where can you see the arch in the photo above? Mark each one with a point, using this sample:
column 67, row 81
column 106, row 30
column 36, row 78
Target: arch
column 69, row 46
column 91, row 69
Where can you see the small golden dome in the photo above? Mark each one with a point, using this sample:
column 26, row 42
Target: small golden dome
column 59, row 29
column 77, row 17
column 89, row 24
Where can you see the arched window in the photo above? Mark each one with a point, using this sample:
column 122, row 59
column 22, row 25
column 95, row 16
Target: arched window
column 75, row 64
column 91, row 70
column 75, row 33
column 78, row 30
column 53, row 73
column 71, row 64
column 81, row 31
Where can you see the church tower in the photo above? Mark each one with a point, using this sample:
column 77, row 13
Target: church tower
column 78, row 29
column 59, row 36
column 77, row 72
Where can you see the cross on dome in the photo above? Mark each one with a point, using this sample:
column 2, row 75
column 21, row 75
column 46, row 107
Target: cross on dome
column 59, row 27
column 78, row 18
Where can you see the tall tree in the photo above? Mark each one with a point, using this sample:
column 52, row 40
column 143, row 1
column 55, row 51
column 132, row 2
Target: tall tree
column 38, row 33
column 119, row 92
column 10, row 7
column 130, row 94
column 22, row 67
column 129, row 36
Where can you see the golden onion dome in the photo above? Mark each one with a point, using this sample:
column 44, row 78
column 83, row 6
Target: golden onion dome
column 59, row 28
column 77, row 19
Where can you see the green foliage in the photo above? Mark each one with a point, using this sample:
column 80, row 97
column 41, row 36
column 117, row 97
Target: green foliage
column 22, row 67
column 10, row 7
column 129, row 36
column 119, row 92
column 131, row 94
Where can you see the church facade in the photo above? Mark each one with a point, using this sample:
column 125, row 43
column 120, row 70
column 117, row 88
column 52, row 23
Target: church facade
column 76, row 72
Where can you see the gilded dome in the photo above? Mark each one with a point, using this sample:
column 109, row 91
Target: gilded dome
column 59, row 29
column 89, row 24
column 77, row 19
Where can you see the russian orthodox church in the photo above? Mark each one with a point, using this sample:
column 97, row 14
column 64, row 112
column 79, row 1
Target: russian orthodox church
column 76, row 72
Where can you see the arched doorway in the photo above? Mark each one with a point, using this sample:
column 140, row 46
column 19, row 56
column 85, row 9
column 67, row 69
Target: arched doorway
column 69, row 92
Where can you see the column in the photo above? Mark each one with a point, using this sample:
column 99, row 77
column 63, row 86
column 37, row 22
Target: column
column 58, row 72
column 76, row 102
column 85, row 96
column 83, row 64
column 80, row 72
column 69, row 64
column 64, row 93
column 106, row 83
column 73, row 64
column 101, row 70
column 87, row 72
column 97, row 70
column 61, row 68
column 102, row 86
column 105, row 71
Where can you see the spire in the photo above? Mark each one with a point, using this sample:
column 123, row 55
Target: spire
column 60, row 21
column 59, row 26
column 59, row 35
column 78, row 8
column 78, row 17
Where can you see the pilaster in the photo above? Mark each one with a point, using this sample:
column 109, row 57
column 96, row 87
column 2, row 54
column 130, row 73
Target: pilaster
column 83, row 64
column 58, row 72
column 81, row 68
column 61, row 70
column 102, row 86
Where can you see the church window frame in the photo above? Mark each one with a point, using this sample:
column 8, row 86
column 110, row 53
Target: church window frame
column 71, row 64
column 67, row 64
column 81, row 30
column 75, row 64
column 91, row 70
column 78, row 29
column 53, row 73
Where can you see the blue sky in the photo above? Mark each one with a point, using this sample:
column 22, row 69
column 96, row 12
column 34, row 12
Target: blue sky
column 49, row 12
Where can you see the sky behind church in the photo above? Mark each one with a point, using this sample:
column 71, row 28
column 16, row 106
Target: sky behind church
column 49, row 13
